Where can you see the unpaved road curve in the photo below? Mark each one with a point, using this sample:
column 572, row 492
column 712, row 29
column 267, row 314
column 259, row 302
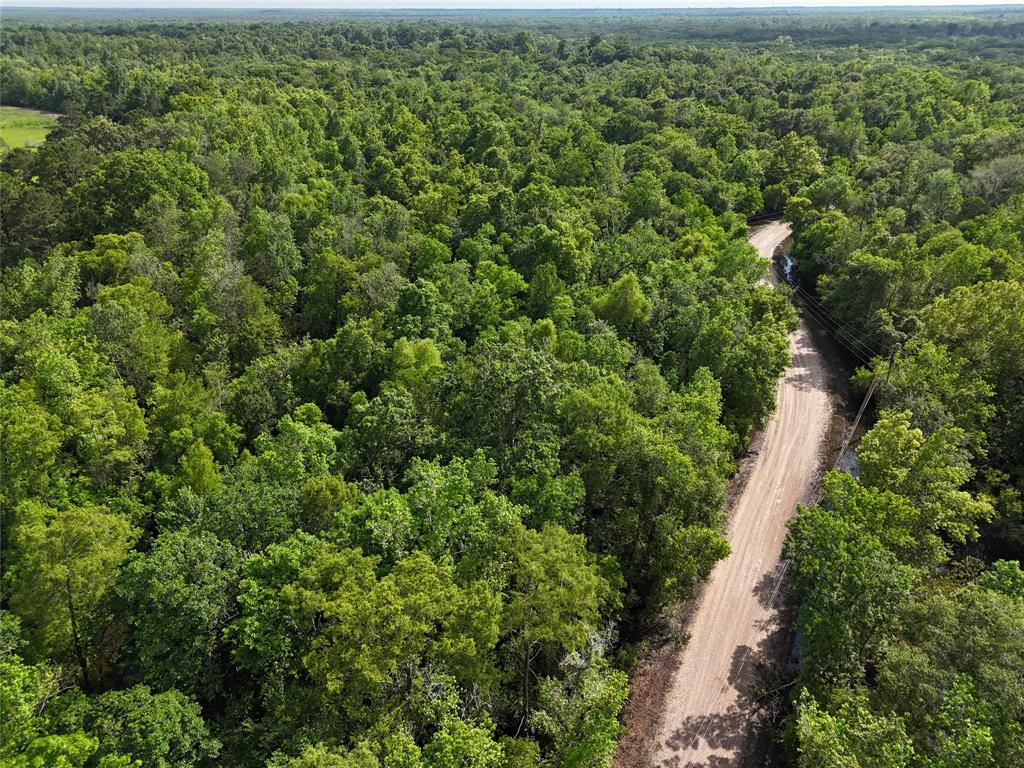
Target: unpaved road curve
column 707, row 713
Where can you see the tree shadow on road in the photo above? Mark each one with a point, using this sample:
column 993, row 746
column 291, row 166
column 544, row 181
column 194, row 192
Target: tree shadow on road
column 734, row 732
column 725, row 731
column 767, row 587
column 804, row 380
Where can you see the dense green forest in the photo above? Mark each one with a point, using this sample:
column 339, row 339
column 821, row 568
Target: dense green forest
column 370, row 384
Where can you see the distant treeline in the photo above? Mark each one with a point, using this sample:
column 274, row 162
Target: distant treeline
column 966, row 28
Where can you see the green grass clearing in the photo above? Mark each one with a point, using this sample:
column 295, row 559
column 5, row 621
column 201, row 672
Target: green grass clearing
column 21, row 127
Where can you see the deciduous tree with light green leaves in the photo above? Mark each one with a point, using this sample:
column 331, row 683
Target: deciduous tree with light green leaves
column 62, row 581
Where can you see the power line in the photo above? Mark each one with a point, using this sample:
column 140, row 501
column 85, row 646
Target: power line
column 818, row 496
column 862, row 351
column 863, row 406
column 849, row 329
column 839, row 328
column 839, row 336
column 810, row 295
column 841, row 331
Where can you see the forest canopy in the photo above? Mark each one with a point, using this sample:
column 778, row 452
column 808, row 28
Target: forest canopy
column 368, row 383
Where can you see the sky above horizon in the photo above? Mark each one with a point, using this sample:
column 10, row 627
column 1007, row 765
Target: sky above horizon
column 487, row 4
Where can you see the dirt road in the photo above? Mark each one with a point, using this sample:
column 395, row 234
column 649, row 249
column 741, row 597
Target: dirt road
column 707, row 711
